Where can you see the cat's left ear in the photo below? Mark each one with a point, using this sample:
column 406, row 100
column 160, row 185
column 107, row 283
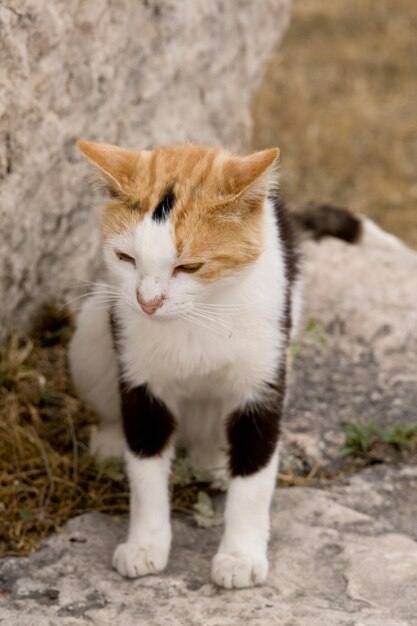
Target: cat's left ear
column 251, row 177
column 115, row 166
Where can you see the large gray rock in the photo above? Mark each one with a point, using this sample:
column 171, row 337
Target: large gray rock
column 131, row 72
column 344, row 555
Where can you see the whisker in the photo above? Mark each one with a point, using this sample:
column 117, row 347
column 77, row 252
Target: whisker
column 218, row 316
column 101, row 285
column 99, row 305
column 218, row 324
column 91, row 293
column 96, row 282
column 186, row 316
column 215, row 305
column 220, row 310
column 214, row 315
column 200, row 323
column 100, row 308
column 210, row 318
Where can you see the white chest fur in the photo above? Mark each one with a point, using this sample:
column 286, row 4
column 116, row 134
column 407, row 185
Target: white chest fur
column 233, row 353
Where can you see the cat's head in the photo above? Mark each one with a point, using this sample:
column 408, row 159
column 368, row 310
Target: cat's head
column 181, row 221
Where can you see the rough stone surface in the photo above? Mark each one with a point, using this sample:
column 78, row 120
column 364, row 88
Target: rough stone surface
column 131, row 72
column 342, row 555
column 360, row 360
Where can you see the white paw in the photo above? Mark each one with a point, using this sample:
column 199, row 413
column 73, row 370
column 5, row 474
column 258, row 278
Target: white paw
column 236, row 571
column 133, row 560
column 107, row 442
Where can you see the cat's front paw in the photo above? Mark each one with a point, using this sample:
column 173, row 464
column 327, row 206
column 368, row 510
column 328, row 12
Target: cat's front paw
column 235, row 571
column 133, row 560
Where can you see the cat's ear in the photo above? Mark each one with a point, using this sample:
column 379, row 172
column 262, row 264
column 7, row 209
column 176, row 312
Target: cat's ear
column 115, row 166
column 252, row 176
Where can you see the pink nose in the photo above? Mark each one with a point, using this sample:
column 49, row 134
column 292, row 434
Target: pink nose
column 149, row 306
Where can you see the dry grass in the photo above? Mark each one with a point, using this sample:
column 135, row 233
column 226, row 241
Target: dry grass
column 340, row 99
column 46, row 474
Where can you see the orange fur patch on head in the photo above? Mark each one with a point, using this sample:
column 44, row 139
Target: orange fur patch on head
column 224, row 229
column 217, row 199
column 218, row 237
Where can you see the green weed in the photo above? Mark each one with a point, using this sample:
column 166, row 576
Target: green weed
column 360, row 437
column 315, row 330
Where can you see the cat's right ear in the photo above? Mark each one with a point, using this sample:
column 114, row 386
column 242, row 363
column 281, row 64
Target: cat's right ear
column 115, row 166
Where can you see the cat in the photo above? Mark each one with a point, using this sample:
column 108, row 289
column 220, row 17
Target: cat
column 202, row 274
column 186, row 341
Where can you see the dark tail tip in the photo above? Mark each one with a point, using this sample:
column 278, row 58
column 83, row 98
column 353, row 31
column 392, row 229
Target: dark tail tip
column 325, row 220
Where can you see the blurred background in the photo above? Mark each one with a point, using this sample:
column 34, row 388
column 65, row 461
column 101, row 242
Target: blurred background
column 340, row 99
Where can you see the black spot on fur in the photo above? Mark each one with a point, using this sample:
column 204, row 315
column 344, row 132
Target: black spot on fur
column 289, row 241
column 165, row 206
column 148, row 424
column 253, row 432
column 288, row 238
column 326, row 220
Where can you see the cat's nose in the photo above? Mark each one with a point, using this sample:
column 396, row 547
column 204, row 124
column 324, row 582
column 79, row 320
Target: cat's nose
column 149, row 306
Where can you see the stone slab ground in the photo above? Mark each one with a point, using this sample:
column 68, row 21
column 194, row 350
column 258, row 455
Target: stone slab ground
column 341, row 555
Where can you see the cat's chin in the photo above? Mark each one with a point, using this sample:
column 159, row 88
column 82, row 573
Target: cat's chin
column 160, row 317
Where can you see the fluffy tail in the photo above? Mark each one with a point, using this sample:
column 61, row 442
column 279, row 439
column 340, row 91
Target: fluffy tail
column 317, row 220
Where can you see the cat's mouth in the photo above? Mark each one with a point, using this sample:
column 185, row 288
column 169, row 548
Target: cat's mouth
column 159, row 315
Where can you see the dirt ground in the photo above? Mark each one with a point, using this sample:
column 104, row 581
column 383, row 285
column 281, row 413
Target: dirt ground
column 340, row 100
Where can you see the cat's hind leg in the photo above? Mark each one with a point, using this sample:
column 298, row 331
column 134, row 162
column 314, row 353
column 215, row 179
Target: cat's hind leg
column 94, row 371
column 202, row 435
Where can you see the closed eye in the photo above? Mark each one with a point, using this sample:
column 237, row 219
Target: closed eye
column 122, row 256
column 189, row 268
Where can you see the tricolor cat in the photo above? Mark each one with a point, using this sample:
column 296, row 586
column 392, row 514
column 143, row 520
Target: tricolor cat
column 186, row 342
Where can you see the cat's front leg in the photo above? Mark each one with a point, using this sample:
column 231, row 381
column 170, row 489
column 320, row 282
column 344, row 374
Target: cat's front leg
column 253, row 433
column 146, row 550
column 149, row 427
column 241, row 560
